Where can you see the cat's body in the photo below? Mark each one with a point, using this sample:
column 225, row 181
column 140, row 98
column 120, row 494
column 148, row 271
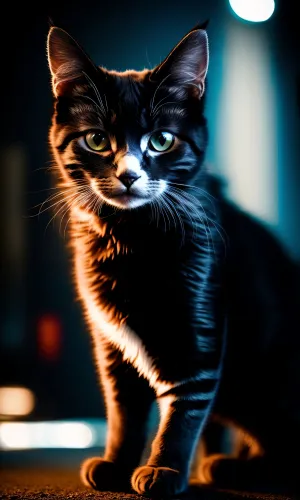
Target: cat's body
column 162, row 285
column 260, row 380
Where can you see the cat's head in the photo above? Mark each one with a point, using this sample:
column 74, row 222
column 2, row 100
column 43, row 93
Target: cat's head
column 131, row 138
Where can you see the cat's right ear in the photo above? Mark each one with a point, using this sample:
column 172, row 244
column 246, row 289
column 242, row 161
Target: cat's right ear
column 67, row 61
column 186, row 66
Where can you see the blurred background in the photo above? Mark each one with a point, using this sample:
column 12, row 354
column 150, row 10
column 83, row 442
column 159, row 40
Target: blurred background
column 49, row 394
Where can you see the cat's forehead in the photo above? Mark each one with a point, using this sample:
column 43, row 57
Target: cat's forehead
column 128, row 89
column 128, row 95
column 122, row 103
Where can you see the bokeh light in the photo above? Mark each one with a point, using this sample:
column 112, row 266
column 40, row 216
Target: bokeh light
column 255, row 11
column 51, row 434
column 16, row 401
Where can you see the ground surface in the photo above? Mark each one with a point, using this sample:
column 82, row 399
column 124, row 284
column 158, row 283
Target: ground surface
column 53, row 475
column 64, row 484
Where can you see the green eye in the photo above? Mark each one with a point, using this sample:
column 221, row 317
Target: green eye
column 98, row 141
column 161, row 141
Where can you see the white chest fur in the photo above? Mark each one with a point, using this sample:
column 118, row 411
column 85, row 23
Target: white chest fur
column 125, row 339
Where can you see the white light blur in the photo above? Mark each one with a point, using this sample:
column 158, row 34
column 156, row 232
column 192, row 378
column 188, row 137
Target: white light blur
column 255, row 11
column 16, row 401
column 53, row 434
column 246, row 132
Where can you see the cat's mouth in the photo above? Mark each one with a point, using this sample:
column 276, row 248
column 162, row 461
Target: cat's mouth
column 127, row 196
column 141, row 193
column 127, row 200
column 119, row 198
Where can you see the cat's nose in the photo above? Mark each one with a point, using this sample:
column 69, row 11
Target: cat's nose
column 128, row 178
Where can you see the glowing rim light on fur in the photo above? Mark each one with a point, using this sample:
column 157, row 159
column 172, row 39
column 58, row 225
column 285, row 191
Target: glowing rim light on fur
column 255, row 11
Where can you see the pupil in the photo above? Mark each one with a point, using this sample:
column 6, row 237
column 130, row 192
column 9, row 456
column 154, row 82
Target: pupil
column 161, row 139
column 98, row 138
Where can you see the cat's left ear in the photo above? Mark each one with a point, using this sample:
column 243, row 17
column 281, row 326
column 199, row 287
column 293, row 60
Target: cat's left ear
column 67, row 61
column 187, row 64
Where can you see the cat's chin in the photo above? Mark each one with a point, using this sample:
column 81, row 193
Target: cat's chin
column 127, row 201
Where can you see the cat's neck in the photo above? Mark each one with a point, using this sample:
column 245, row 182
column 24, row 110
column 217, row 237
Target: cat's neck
column 101, row 239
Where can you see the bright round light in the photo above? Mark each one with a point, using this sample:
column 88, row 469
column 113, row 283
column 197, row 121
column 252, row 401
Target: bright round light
column 253, row 10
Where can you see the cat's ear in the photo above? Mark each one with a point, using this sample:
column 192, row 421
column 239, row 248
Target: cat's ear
column 67, row 60
column 187, row 64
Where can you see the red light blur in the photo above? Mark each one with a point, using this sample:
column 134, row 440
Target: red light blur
column 49, row 337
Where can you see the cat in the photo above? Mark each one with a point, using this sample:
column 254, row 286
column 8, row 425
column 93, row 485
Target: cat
column 173, row 278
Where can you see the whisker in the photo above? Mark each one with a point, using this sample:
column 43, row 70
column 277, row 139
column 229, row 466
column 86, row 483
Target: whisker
column 54, row 216
column 193, row 209
column 95, row 104
column 194, row 187
column 69, row 208
column 65, row 230
column 57, row 188
column 65, row 212
column 96, row 92
column 107, row 110
column 64, row 203
column 159, row 102
column 49, row 168
column 188, row 214
column 91, row 206
column 51, row 198
column 220, row 230
column 180, row 220
column 75, row 201
column 83, row 193
column 151, row 204
column 156, row 90
column 169, row 210
column 42, row 190
column 172, row 205
column 161, row 211
column 164, row 104
column 157, row 212
column 197, row 202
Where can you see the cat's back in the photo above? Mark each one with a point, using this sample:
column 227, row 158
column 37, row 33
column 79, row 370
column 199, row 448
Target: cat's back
column 262, row 294
column 262, row 281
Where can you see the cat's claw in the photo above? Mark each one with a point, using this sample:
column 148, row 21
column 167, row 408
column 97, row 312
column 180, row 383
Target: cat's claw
column 103, row 475
column 157, row 481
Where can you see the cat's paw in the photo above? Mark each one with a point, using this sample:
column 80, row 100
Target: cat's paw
column 210, row 468
column 103, row 475
column 157, row 481
column 229, row 472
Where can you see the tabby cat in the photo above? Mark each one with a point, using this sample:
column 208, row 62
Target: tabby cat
column 189, row 301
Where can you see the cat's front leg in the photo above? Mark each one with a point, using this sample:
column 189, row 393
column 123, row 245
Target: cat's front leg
column 128, row 400
column 184, row 411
